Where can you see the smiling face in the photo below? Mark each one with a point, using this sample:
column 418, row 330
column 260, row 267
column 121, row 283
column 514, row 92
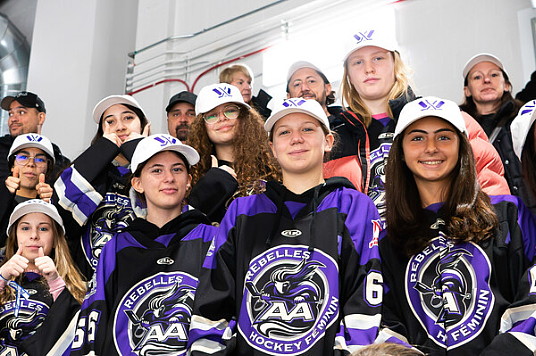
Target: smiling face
column 30, row 168
column 163, row 181
column 308, row 84
column 34, row 230
column 372, row 72
column 121, row 120
column 299, row 144
column 431, row 149
column 243, row 83
column 223, row 131
column 486, row 83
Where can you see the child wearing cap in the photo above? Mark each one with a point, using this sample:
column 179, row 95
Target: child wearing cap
column 145, row 282
column 92, row 193
column 235, row 156
column 375, row 88
column 40, row 287
column 294, row 270
column 524, row 145
column 458, row 265
column 31, row 160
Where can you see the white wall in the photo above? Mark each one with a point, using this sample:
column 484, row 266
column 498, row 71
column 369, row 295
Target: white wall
column 79, row 48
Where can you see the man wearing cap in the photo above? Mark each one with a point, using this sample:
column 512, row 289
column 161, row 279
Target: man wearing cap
column 27, row 114
column 305, row 80
column 181, row 114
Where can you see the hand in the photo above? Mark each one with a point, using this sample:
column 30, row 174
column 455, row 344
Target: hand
column 46, row 266
column 226, row 168
column 110, row 135
column 13, row 181
column 15, row 266
column 146, row 132
column 44, row 190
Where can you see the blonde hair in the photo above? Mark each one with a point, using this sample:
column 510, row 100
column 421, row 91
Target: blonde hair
column 61, row 256
column 352, row 99
column 226, row 75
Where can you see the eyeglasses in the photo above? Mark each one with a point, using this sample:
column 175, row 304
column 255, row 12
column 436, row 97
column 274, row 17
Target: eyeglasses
column 22, row 159
column 231, row 112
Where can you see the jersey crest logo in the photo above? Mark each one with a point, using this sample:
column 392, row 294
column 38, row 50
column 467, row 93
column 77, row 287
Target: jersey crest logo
column 447, row 286
column 154, row 316
column 290, row 299
column 31, row 315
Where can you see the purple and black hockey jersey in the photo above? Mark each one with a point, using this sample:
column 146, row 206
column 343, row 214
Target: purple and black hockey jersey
column 291, row 275
column 465, row 298
column 143, row 289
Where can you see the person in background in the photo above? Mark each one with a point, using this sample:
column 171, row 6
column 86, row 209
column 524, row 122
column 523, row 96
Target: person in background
column 241, row 77
column 295, row 268
column 305, row 80
column 31, row 160
column 181, row 114
column 40, row 286
column 375, row 87
column 235, row 154
column 138, row 303
column 458, row 265
column 524, row 145
column 27, row 114
column 488, row 98
column 92, row 194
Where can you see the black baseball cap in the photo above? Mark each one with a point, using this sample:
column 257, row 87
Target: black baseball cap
column 183, row 96
column 26, row 99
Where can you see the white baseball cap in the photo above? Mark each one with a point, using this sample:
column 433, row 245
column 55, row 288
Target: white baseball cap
column 370, row 37
column 111, row 100
column 310, row 107
column 481, row 57
column 299, row 65
column 35, row 206
column 430, row 106
column 32, row 140
column 154, row 144
column 216, row 94
column 521, row 126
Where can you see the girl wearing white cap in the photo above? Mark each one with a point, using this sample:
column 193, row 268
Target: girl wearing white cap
column 235, row 156
column 146, row 279
column 375, row 87
column 458, row 264
column 488, row 98
column 31, row 160
column 92, row 192
column 294, row 270
column 40, row 287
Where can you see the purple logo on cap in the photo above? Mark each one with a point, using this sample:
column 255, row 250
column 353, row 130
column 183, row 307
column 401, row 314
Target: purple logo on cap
column 364, row 36
column 528, row 108
column 34, row 138
column 222, row 91
column 435, row 105
column 293, row 102
column 165, row 140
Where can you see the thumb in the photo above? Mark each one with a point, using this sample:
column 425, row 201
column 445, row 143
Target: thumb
column 147, row 129
column 42, row 178
column 19, row 251
column 41, row 253
column 16, row 171
column 214, row 161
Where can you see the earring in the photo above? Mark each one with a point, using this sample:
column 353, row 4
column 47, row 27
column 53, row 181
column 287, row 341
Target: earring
column 188, row 186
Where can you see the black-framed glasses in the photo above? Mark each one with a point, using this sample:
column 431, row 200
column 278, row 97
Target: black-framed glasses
column 22, row 159
column 231, row 112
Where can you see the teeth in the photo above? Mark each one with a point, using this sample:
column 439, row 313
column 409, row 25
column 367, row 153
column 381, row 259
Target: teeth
column 431, row 162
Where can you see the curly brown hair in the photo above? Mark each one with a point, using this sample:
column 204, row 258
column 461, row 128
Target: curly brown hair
column 253, row 157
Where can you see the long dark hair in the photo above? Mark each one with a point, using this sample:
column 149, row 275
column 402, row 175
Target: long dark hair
column 528, row 161
column 138, row 112
column 467, row 211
